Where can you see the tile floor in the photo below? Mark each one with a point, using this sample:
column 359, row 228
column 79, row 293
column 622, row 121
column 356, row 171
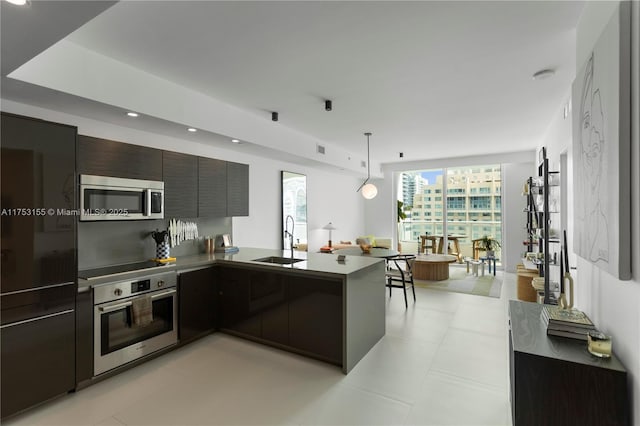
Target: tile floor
column 443, row 361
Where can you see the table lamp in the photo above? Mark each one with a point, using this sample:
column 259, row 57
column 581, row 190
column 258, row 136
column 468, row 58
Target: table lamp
column 330, row 227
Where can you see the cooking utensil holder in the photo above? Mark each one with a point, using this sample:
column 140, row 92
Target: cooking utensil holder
column 162, row 250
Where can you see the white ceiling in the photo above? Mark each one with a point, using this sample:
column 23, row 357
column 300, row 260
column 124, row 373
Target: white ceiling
column 429, row 79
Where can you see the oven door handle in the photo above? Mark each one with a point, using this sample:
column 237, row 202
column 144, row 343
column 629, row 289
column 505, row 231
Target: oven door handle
column 114, row 307
column 125, row 304
column 166, row 293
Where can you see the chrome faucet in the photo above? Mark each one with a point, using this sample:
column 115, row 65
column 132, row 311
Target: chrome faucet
column 288, row 233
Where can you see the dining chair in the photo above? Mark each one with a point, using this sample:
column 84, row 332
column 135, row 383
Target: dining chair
column 399, row 274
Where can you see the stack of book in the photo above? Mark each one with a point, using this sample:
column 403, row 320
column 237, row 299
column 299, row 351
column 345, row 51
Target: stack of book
column 570, row 323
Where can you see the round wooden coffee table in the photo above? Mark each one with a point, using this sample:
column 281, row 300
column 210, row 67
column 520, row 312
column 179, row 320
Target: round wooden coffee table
column 432, row 267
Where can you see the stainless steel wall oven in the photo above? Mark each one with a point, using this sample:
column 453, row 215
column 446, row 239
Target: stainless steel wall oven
column 118, row 336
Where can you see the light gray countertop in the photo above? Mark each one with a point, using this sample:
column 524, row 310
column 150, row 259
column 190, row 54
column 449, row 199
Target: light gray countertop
column 323, row 264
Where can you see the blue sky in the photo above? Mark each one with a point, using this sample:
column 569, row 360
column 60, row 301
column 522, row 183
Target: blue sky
column 431, row 175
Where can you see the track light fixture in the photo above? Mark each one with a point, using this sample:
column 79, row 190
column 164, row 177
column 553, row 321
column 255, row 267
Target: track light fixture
column 274, row 116
column 369, row 190
column 328, row 105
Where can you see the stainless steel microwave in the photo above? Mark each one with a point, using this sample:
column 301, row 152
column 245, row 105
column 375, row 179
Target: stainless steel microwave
column 111, row 198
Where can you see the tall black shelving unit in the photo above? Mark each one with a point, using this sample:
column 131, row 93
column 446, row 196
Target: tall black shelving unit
column 544, row 222
column 531, row 212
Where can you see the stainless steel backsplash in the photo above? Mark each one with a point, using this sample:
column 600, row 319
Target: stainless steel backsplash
column 115, row 242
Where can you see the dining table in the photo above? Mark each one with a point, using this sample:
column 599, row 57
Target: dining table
column 429, row 241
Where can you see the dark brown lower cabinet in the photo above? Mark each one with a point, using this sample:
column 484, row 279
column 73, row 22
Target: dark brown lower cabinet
column 38, row 361
column 555, row 381
column 301, row 313
column 316, row 316
column 197, row 301
column 268, row 296
column 235, row 297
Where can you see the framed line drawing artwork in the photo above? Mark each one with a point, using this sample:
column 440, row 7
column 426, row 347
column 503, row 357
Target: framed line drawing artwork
column 601, row 150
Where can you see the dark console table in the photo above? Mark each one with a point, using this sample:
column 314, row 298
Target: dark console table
column 556, row 381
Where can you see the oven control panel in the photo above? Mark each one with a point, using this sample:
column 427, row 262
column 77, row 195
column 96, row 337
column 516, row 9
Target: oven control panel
column 121, row 289
column 139, row 286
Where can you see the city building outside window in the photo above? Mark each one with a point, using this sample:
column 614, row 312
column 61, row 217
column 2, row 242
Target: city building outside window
column 473, row 204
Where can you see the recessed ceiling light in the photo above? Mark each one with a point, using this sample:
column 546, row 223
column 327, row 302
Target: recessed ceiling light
column 235, row 141
column 543, row 74
column 132, row 114
column 192, row 130
column 18, row 2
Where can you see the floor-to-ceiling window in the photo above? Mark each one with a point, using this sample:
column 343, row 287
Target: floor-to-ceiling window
column 459, row 203
column 423, row 205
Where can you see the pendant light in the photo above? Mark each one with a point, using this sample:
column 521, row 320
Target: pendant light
column 369, row 190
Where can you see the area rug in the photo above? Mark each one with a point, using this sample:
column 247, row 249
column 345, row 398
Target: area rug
column 462, row 282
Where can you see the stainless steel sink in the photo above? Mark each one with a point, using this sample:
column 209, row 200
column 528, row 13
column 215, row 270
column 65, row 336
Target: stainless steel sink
column 278, row 260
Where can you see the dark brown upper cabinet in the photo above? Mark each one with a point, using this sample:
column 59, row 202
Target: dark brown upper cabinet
column 180, row 176
column 110, row 158
column 193, row 186
column 212, row 187
column 237, row 189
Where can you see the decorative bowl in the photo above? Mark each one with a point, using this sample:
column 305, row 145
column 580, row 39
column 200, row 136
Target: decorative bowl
column 366, row 248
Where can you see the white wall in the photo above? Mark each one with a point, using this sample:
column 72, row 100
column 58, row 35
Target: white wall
column 330, row 197
column 380, row 212
column 514, row 220
column 612, row 304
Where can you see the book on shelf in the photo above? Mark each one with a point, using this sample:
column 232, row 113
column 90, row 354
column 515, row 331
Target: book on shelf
column 569, row 328
column 577, row 336
column 231, row 249
column 572, row 317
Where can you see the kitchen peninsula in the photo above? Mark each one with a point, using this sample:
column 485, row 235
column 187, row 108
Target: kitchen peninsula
column 317, row 307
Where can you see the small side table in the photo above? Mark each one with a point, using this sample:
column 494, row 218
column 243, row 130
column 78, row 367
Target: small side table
column 474, row 265
column 489, row 260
